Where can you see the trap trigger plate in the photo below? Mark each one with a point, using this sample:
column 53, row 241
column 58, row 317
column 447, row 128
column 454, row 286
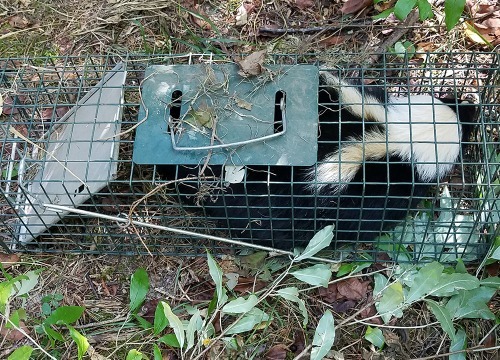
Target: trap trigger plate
column 195, row 112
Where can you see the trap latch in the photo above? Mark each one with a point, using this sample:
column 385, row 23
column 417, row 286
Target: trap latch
column 192, row 113
column 281, row 124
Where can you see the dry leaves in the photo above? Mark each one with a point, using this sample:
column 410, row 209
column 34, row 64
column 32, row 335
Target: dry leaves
column 277, row 352
column 353, row 6
column 198, row 20
column 13, row 334
column 253, row 64
column 7, row 260
column 249, row 285
column 485, row 23
column 345, row 294
column 304, row 4
column 19, row 22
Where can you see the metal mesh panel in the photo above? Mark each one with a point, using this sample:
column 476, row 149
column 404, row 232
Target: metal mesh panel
column 459, row 217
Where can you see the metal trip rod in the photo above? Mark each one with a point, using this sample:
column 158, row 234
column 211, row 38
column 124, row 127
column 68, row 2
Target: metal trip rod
column 57, row 208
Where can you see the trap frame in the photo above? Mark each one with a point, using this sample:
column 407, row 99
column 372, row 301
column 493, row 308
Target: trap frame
column 459, row 219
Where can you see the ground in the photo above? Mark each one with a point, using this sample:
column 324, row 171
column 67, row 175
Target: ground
column 334, row 31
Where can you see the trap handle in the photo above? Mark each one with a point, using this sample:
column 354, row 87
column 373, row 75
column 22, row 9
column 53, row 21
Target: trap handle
column 237, row 143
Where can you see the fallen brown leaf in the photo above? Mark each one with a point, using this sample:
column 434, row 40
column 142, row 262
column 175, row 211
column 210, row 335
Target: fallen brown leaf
column 7, row 260
column 370, row 311
column 198, row 20
column 353, row 6
column 299, row 343
column 330, row 294
column 13, row 334
column 384, row 5
column 493, row 269
column 353, row 289
column 249, row 284
column 8, row 108
column 343, row 306
column 19, row 22
column 22, row 129
column 253, row 64
column 148, row 310
column 277, row 352
column 304, row 4
column 334, row 40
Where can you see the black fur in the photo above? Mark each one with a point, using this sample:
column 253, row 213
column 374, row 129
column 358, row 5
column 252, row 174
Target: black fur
column 273, row 206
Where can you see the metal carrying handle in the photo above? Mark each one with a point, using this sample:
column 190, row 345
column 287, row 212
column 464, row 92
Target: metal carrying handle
column 238, row 143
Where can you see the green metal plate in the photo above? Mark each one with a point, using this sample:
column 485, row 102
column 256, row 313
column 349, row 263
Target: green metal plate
column 227, row 118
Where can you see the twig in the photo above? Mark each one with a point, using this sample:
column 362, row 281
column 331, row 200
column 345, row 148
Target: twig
column 395, row 36
column 101, row 323
column 303, row 352
column 4, row 36
column 267, row 31
column 27, row 336
column 470, row 350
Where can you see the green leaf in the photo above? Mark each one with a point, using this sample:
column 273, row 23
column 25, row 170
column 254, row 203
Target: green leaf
column 320, row 240
column 21, row 353
column 139, row 287
column 254, row 261
column 457, row 344
column 453, row 9
column 160, row 322
column 195, row 325
column 27, row 284
column 375, row 336
column 52, row 333
column 403, row 8
column 380, row 283
column 175, row 323
column 157, row 353
column 143, row 322
column 248, row 322
column 496, row 254
column 324, row 336
column 471, row 304
column 46, row 309
column 318, row 274
column 170, row 340
column 134, row 355
column 383, row 14
column 292, row 294
column 450, row 283
column 392, row 298
column 64, row 315
column 240, row 305
column 80, row 340
column 424, row 10
column 5, row 292
column 15, row 317
column 493, row 282
column 216, row 274
column 460, row 267
column 443, row 316
column 424, row 281
column 345, row 269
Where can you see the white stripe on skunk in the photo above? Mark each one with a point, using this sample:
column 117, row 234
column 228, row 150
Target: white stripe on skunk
column 419, row 129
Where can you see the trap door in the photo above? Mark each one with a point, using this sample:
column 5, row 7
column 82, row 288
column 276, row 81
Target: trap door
column 194, row 113
column 80, row 157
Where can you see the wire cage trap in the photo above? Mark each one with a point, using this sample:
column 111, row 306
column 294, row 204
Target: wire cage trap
column 113, row 137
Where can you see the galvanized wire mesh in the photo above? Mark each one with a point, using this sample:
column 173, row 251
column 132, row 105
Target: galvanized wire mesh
column 37, row 92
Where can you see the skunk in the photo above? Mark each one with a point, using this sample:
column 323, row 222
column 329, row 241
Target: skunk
column 378, row 155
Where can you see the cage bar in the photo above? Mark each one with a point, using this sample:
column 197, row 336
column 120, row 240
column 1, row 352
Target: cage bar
column 458, row 219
